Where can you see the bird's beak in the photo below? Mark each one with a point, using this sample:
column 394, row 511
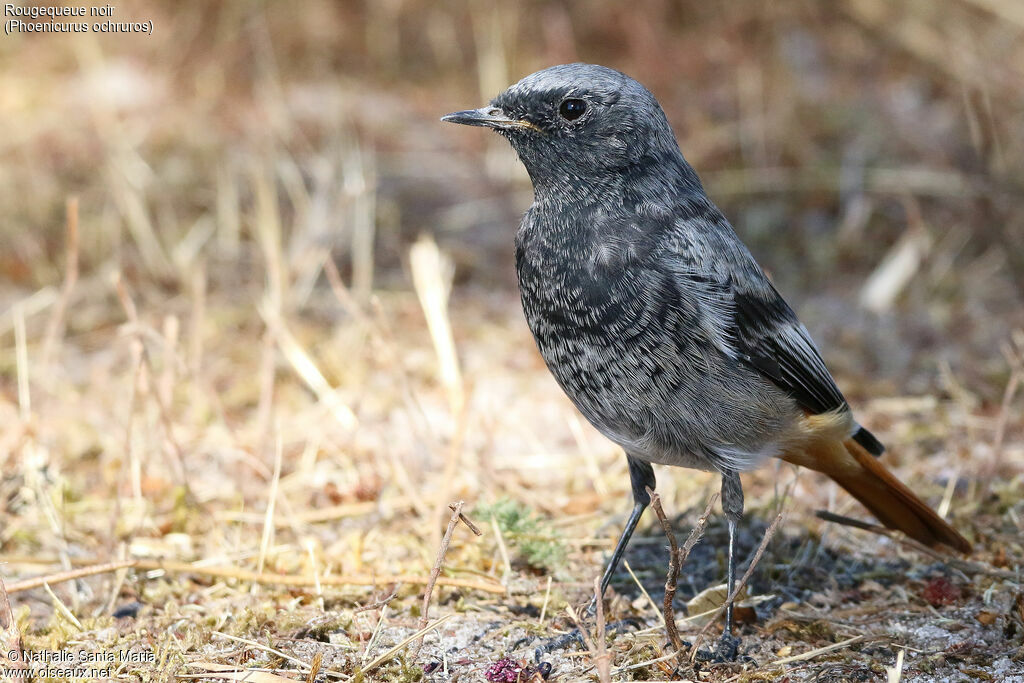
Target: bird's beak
column 491, row 117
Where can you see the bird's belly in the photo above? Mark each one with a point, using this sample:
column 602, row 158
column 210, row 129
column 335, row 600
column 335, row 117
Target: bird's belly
column 662, row 395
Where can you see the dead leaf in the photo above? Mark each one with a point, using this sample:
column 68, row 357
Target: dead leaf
column 986, row 618
column 700, row 606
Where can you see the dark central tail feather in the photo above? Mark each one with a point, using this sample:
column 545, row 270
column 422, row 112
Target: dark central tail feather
column 868, row 441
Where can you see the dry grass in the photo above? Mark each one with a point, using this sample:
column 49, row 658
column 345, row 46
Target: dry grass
column 239, row 391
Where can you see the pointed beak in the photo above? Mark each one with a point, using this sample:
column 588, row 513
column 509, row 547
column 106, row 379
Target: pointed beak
column 491, row 117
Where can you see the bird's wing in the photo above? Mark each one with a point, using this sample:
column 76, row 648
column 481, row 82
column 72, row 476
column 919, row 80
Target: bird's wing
column 770, row 338
column 760, row 328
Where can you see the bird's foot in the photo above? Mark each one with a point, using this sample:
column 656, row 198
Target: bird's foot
column 725, row 652
column 574, row 636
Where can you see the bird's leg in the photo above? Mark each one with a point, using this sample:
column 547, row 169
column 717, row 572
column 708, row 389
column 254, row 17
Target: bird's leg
column 732, row 505
column 641, row 477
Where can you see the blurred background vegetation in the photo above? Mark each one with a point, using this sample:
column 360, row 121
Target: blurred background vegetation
column 184, row 334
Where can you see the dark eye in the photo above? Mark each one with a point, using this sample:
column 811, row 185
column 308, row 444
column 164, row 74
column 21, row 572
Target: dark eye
column 572, row 108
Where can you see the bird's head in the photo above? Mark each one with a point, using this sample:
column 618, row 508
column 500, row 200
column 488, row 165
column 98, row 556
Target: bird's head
column 577, row 122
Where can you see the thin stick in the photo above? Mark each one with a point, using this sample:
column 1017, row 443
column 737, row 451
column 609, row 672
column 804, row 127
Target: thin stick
column 9, row 633
column 668, row 611
column 62, row 577
column 456, row 509
column 381, row 618
column 768, row 534
column 245, row 575
column 467, row 521
column 680, row 555
column 698, row 530
column 379, row 604
column 583, row 632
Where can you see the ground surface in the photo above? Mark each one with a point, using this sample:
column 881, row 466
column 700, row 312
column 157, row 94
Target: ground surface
column 252, row 453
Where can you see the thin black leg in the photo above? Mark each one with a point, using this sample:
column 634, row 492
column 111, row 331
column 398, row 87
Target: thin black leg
column 641, row 477
column 732, row 505
column 620, row 547
column 730, row 576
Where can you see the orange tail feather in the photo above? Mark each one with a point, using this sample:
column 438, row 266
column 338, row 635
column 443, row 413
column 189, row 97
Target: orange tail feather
column 888, row 499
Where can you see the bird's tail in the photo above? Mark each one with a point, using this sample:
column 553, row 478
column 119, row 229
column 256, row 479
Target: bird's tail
column 888, row 499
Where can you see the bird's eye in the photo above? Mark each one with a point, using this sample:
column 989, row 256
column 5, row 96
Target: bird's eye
column 572, row 108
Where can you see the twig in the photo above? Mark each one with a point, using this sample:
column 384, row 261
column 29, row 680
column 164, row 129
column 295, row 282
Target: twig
column 456, row 509
column 673, row 573
column 466, row 520
column 676, row 559
column 62, row 577
column 768, row 534
column 380, row 603
column 246, row 575
column 9, row 634
column 966, row 566
column 603, row 673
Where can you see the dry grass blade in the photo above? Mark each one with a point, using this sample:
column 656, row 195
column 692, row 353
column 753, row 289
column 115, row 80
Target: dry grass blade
column 62, row 609
column 305, row 368
column 55, row 325
column 895, row 673
column 811, row 654
column 398, row 648
column 432, row 277
column 277, row 653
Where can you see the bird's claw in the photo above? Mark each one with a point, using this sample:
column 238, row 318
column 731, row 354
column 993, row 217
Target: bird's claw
column 725, row 652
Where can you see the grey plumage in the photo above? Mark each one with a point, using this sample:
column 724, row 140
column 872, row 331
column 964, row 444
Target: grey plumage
column 648, row 309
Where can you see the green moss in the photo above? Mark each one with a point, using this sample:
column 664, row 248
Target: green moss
column 397, row 670
column 532, row 539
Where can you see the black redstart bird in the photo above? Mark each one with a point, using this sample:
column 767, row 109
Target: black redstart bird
column 654, row 317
